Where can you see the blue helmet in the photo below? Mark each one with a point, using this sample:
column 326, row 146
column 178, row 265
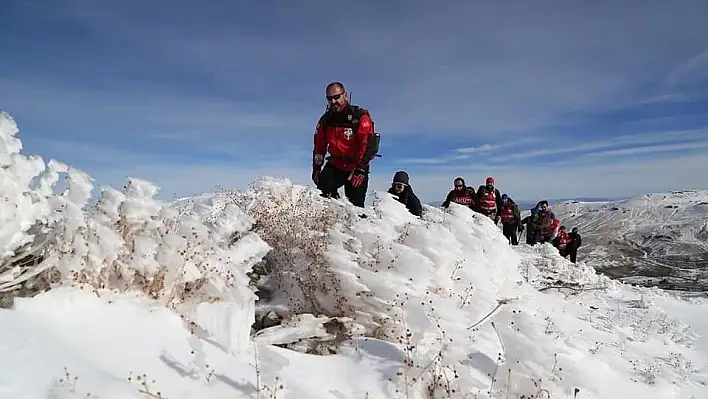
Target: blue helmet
column 505, row 197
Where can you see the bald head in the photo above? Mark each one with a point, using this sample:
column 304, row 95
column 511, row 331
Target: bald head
column 335, row 86
column 336, row 96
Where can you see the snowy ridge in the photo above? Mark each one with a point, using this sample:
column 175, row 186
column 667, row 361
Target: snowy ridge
column 441, row 307
column 656, row 239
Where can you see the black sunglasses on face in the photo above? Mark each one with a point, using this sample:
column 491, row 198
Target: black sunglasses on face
column 335, row 97
column 458, row 186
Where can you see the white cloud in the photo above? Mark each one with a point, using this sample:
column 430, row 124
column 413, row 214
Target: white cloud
column 157, row 115
column 618, row 179
column 473, row 69
column 690, row 72
column 498, row 146
column 459, row 154
column 634, row 140
column 430, row 161
column 622, row 178
column 650, row 149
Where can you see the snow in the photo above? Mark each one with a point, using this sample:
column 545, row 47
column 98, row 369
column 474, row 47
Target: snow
column 135, row 290
column 654, row 239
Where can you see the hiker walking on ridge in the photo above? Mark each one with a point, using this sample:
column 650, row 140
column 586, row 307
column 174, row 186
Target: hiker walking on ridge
column 488, row 199
column 575, row 243
column 510, row 216
column 402, row 191
column 346, row 132
column 533, row 231
column 461, row 194
column 547, row 223
column 562, row 241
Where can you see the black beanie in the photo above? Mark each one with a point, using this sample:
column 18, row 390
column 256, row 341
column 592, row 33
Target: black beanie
column 401, row 177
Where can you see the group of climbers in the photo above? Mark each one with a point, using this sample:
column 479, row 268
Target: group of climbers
column 488, row 201
column 346, row 132
column 543, row 226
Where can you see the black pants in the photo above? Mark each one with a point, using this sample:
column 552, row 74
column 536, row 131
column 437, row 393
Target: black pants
column 509, row 231
column 573, row 252
column 332, row 179
column 531, row 235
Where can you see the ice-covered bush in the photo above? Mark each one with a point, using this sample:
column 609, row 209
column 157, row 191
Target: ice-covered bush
column 429, row 285
column 128, row 240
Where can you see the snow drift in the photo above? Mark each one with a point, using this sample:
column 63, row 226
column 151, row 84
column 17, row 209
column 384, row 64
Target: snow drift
column 655, row 239
column 135, row 296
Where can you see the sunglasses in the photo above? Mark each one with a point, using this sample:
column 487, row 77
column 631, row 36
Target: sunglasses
column 335, row 97
column 458, row 186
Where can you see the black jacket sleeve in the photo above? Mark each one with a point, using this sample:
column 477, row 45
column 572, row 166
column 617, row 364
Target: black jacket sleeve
column 414, row 206
column 446, row 203
column 499, row 201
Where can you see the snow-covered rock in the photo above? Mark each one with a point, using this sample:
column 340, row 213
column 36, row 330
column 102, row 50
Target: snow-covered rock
column 655, row 239
column 437, row 307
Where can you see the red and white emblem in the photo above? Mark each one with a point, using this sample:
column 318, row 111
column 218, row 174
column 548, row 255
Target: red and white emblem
column 348, row 133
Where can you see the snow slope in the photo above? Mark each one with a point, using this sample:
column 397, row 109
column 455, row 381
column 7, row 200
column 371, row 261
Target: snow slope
column 656, row 239
column 146, row 299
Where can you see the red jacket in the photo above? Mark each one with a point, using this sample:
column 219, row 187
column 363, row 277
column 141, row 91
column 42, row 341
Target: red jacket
column 549, row 226
column 464, row 197
column 344, row 135
column 563, row 239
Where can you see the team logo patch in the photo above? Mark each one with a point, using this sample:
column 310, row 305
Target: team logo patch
column 365, row 124
column 348, row 133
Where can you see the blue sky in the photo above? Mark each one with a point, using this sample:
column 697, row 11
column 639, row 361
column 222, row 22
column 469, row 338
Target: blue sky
column 554, row 99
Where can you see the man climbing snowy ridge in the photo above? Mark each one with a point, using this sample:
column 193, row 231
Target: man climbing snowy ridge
column 489, row 199
column 461, row 194
column 346, row 132
column 510, row 217
column 403, row 192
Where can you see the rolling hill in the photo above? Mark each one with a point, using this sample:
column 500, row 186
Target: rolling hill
column 656, row 239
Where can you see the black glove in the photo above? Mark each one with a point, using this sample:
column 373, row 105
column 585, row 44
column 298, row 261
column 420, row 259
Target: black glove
column 357, row 177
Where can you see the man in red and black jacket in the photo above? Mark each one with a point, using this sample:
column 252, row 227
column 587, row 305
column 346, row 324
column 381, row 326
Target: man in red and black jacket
column 461, row 194
column 489, row 199
column 346, row 132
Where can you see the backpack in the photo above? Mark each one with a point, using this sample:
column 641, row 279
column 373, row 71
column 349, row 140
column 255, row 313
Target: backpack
column 351, row 120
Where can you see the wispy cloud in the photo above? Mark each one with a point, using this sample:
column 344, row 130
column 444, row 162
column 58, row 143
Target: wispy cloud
column 611, row 180
column 651, row 149
column 235, row 89
column 465, row 153
column 639, row 140
column 690, row 72
column 532, row 182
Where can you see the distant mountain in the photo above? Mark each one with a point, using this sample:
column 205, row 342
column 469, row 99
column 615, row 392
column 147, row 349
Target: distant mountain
column 526, row 205
column 655, row 239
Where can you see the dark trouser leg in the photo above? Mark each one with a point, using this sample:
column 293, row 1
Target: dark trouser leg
column 357, row 195
column 331, row 179
column 509, row 231
column 573, row 255
column 530, row 235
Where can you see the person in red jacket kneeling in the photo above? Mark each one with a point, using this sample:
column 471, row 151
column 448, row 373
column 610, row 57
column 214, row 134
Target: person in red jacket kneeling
column 346, row 132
